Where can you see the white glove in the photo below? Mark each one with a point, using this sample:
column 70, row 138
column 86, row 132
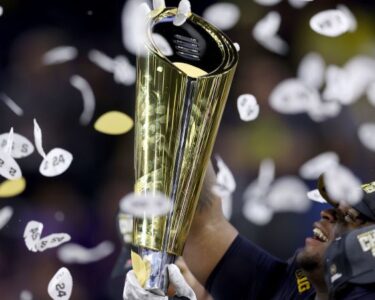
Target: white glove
column 134, row 291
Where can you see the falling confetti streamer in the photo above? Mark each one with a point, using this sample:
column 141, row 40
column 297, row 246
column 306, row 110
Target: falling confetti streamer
column 224, row 176
column 366, row 134
column 124, row 72
column 38, row 139
column 32, row 233
column 266, row 173
column 13, row 106
column 223, row 15
column 342, row 185
column 61, row 285
column 77, row 254
column 183, row 12
column 311, row 70
column 52, row 241
column 59, row 55
column 12, row 188
column 331, row 23
column 101, row 60
column 316, row 166
column 6, row 214
column 9, row 168
column 21, row 147
column 145, row 205
column 248, row 107
column 88, row 98
column 114, row 123
column 257, row 213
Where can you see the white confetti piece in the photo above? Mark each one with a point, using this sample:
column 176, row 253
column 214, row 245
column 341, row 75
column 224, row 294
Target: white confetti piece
column 223, row 15
column 311, row 70
column 61, row 285
column 101, row 60
column 13, row 106
column 266, row 173
column 38, row 140
column 26, row 295
column 320, row 111
column 59, row 55
column 77, row 254
column 32, row 233
column 123, row 71
column 88, row 98
column 133, row 20
column 366, row 134
column 265, row 33
column 332, row 23
column 158, row 4
column 257, row 213
column 1, row 10
column 248, row 107
column 298, row 3
column 267, row 2
column 9, row 144
column 183, row 12
column 162, row 44
column 6, row 214
column 21, row 147
column 9, row 168
column 224, row 177
column 351, row 17
column 316, row 166
column 315, row 195
column 56, row 162
column 52, row 241
column 288, row 193
column 342, row 186
column 292, row 96
column 145, row 205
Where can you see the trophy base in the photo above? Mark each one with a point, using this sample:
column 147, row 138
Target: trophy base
column 158, row 281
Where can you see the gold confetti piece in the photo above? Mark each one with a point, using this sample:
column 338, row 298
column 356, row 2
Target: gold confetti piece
column 190, row 70
column 12, row 188
column 141, row 267
column 114, row 122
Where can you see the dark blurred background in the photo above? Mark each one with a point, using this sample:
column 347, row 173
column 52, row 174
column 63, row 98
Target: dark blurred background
column 87, row 195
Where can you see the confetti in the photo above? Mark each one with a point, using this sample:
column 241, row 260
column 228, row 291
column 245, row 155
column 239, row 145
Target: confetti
column 114, row 123
column 331, row 23
column 52, row 241
column 366, row 134
column 264, row 32
column 320, row 111
column 9, row 167
column 133, row 20
column 315, row 195
column 21, row 146
column 237, row 46
column 298, row 3
column 292, row 96
column 162, row 44
column 32, row 235
column 1, row 10
column 123, row 71
column 316, row 166
column 12, row 188
column 61, row 285
column 342, row 185
column 12, row 105
column 77, row 254
column 145, row 205
column 101, row 60
column 248, row 107
column 350, row 16
column 183, row 12
column 266, row 173
column 288, row 193
column 26, row 295
column 224, row 178
column 59, row 55
column 311, row 70
column 267, row 2
column 88, row 98
column 56, row 162
column 223, row 15
column 257, row 213
column 158, row 4
column 5, row 215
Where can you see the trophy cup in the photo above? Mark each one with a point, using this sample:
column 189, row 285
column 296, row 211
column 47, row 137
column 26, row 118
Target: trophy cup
column 183, row 81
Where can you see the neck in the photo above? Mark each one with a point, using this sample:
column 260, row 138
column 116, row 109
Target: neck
column 316, row 278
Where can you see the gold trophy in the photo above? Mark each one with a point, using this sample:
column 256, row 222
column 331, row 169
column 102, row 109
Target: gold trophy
column 183, row 81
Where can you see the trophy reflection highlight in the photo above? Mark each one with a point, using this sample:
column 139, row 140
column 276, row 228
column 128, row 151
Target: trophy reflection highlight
column 183, row 81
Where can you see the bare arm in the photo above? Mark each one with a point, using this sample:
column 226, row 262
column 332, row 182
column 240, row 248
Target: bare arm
column 210, row 234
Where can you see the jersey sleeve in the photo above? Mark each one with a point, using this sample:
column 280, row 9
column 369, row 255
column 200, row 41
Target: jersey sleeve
column 246, row 272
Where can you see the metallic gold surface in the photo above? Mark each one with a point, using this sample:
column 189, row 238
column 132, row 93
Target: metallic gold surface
column 176, row 122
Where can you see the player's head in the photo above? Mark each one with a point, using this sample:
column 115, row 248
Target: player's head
column 335, row 221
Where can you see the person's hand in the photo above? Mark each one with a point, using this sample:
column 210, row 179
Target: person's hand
column 134, row 291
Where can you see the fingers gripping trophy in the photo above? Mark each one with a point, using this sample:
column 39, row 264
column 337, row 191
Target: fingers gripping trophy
column 183, row 80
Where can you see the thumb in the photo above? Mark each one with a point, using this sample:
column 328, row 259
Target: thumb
column 178, row 281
